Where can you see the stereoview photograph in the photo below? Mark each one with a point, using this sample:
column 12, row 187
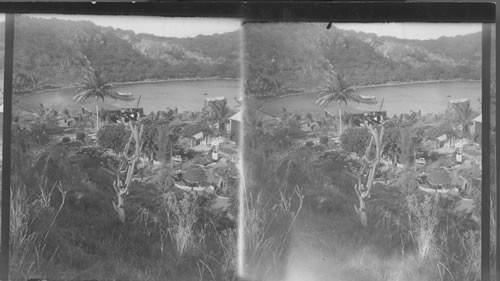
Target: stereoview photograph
column 125, row 148
column 362, row 151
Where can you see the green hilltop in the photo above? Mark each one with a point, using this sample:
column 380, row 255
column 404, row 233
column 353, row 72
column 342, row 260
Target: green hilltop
column 51, row 53
column 283, row 58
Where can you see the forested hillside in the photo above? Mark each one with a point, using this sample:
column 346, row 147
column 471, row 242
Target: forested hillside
column 283, row 58
column 51, row 53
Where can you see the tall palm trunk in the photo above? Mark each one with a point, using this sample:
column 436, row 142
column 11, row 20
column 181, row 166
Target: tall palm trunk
column 171, row 160
column 97, row 113
column 340, row 118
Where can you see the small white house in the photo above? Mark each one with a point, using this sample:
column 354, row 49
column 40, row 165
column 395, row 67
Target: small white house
column 443, row 141
column 214, row 99
column 235, row 122
column 478, row 122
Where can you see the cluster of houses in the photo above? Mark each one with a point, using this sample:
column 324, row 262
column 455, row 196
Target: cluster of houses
column 221, row 150
column 444, row 143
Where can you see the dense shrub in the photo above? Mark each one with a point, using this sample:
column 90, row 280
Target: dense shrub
column 355, row 140
column 189, row 154
column 323, row 140
column 80, row 136
column 113, row 136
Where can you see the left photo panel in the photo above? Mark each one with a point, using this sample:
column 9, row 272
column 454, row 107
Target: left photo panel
column 125, row 147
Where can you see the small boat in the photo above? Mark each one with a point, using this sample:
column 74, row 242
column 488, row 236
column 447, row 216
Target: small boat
column 124, row 96
column 205, row 94
column 366, row 99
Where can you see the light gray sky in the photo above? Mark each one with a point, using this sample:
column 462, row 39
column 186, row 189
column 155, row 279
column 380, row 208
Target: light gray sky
column 421, row 31
column 160, row 26
column 190, row 27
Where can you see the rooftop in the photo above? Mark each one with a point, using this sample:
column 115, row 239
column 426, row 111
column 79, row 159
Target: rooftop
column 459, row 100
column 439, row 176
column 215, row 99
column 237, row 116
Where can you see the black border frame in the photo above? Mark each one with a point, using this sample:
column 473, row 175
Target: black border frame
column 485, row 151
column 272, row 11
column 289, row 11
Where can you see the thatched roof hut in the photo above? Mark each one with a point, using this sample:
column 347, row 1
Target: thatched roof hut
column 227, row 171
column 439, row 177
column 195, row 174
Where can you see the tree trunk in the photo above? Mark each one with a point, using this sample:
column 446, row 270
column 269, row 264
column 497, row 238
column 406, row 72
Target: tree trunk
column 171, row 160
column 120, row 207
column 363, row 191
column 122, row 188
column 340, row 119
column 97, row 113
column 361, row 211
column 33, row 82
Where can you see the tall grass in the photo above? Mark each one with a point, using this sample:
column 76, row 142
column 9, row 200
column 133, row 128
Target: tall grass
column 423, row 220
column 227, row 240
column 182, row 221
column 22, row 242
column 471, row 244
column 57, row 235
column 29, row 246
column 267, row 230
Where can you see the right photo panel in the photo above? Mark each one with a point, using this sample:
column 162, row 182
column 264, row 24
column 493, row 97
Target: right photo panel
column 362, row 152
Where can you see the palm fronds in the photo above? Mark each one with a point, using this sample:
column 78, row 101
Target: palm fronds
column 94, row 85
column 336, row 89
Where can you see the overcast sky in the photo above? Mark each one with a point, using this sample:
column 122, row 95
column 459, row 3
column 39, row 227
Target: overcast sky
column 419, row 31
column 161, row 26
column 190, row 27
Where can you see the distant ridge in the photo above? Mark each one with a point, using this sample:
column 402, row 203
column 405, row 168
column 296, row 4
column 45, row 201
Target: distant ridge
column 283, row 58
column 50, row 53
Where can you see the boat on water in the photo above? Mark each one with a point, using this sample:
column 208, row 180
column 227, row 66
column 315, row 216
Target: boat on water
column 366, row 99
column 124, row 96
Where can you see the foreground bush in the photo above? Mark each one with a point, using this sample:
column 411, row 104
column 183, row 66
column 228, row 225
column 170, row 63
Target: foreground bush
column 64, row 227
column 113, row 136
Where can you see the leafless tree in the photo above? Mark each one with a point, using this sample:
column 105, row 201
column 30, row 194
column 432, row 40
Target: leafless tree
column 127, row 167
column 370, row 163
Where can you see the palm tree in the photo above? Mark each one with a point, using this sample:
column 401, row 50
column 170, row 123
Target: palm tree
column 171, row 135
column 464, row 115
column 95, row 86
column 220, row 112
column 67, row 114
column 392, row 141
column 337, row 90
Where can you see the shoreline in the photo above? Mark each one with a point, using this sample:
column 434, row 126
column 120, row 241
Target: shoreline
column 415, row 82
column 115, row 84
column 175, row 80
column 66, row 93
column 390, row 84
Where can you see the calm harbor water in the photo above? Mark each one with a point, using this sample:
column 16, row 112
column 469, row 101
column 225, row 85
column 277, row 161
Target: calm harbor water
column 429, row 98
column 185, row 95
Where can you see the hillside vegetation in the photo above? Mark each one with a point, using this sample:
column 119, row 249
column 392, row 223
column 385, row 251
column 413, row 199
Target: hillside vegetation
column 284, row 58
column 51, row 52
column 302, row 219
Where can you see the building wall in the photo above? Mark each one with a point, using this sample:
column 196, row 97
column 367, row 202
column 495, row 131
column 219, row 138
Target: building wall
column 235, row 131
column 477, row 132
